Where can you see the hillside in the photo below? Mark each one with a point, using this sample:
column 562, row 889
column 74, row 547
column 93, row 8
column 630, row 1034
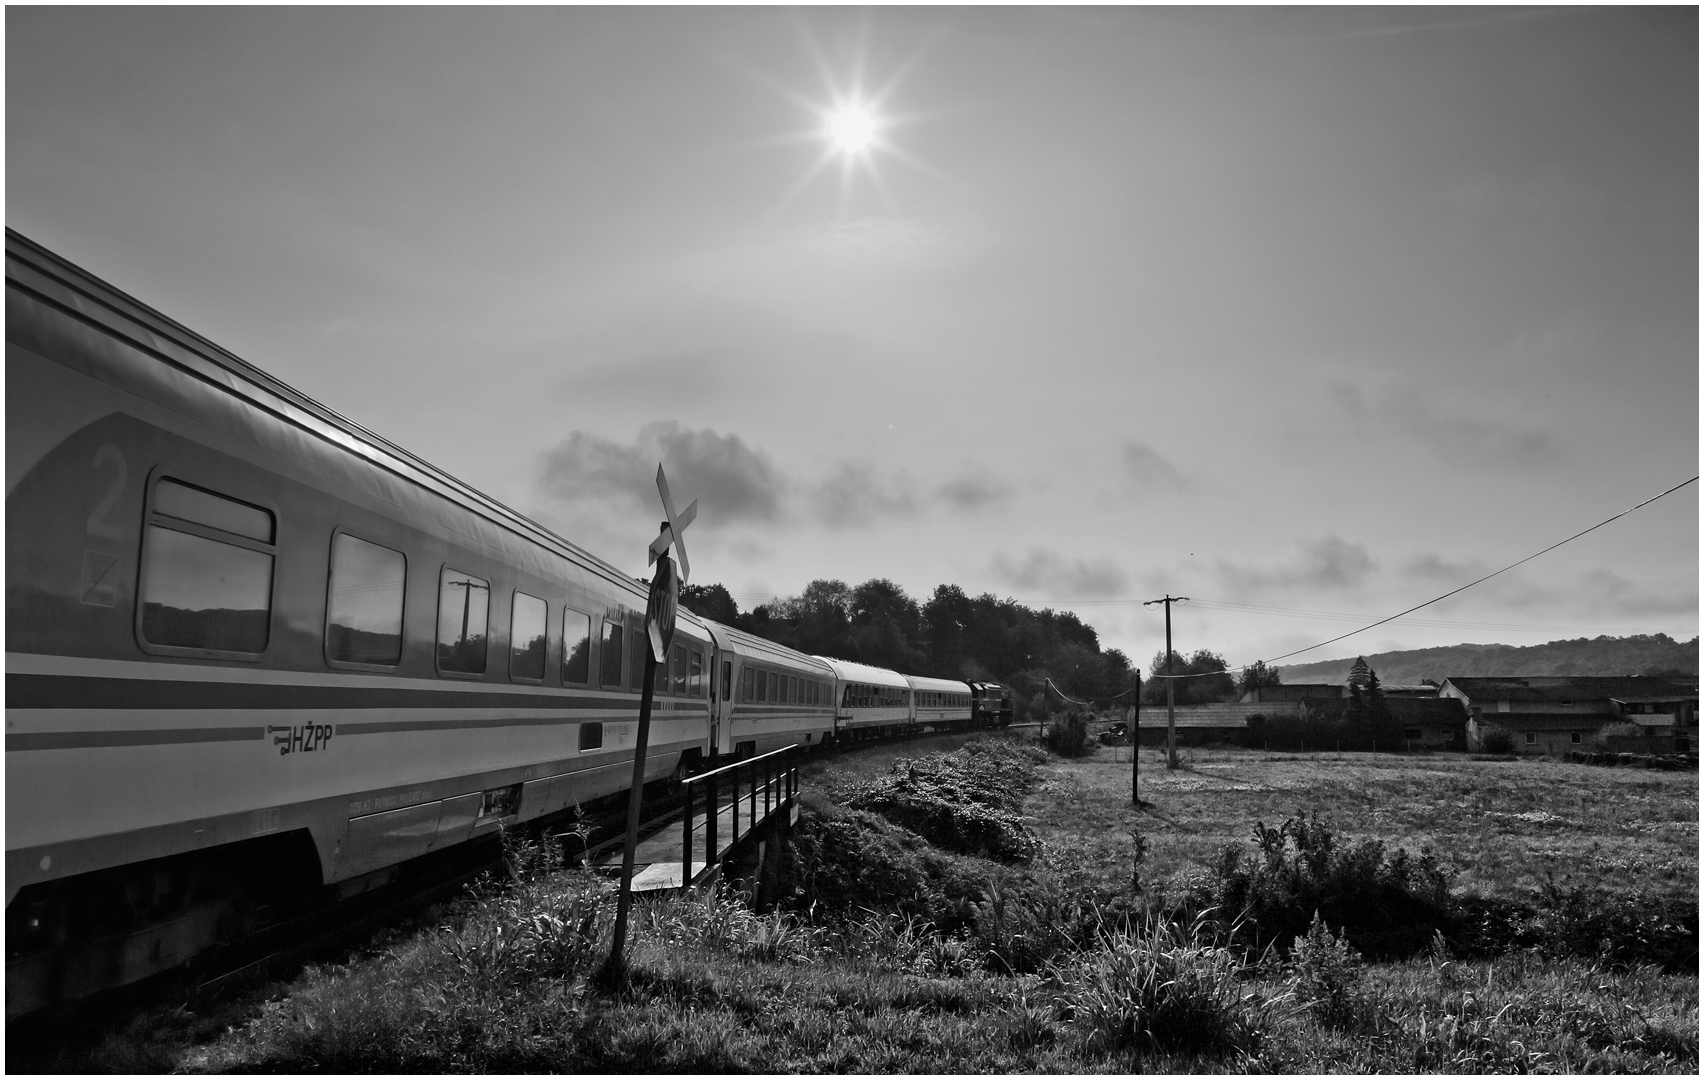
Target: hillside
column 1641, row 654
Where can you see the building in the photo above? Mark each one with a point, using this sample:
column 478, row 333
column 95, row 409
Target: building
column 1198, row 725
column 1427, row 723
column 1555, row 714
column 1294, row 692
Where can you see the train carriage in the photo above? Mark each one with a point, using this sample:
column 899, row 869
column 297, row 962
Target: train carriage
column 939, row 703
column 254, row 650
column 870, row 701
column 770, row 696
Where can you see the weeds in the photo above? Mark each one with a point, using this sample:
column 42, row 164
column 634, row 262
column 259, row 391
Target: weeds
column 1164, row 988
column 1327, row 976
column 1068, row 735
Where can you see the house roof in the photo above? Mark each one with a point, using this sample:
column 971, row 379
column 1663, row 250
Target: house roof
column 1575, row 688
column 1446, row 711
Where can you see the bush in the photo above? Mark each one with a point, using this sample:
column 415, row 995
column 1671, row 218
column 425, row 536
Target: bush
column 1068, row 735
column 1618, row 928
column 1497, row 741
column 966, row 801
column 1387, row 905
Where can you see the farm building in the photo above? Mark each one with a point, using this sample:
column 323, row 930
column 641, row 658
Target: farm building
column 1554, row 714
column 1198, row 725
column 1428, row 723
column 1294, row 692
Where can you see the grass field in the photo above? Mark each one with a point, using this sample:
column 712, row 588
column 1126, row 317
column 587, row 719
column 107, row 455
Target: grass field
column 1502, row 826
column 502, row 982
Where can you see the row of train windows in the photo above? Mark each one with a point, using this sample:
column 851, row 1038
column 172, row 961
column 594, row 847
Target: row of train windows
column 769, row 687
column 207, row 586
column 861, row 696
column 940, row 699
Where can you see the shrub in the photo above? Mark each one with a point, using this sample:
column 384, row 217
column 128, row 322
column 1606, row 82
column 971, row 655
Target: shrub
column 1620, row 928
column 1068, row 735
column 1388, row 905
column 1162, row 988
column 966, row 801
column 1497, row 741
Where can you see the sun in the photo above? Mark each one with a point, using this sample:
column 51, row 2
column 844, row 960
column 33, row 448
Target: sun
column 852, row 128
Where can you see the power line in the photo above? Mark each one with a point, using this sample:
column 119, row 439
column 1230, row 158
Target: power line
column 1452, row 592
column 1489, row 576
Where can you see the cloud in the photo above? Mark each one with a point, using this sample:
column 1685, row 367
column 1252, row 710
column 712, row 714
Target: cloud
column 1435, row 568
column 735, row 482
column 1459, row 439
column 1047, row 571
column 730, row 480
column 857, row 492
column 1601, row 593
column 971, row 491
column 1146, row 468
column 1327, row 563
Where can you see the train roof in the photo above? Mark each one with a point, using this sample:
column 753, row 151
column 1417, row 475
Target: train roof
column 850, row 671
column 945, row 686
column 750, row 645
column 62, row 284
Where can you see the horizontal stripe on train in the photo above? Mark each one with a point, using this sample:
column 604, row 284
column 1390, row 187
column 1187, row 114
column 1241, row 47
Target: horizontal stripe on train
column 81, row 740
column 73, row 692
column 91, row 739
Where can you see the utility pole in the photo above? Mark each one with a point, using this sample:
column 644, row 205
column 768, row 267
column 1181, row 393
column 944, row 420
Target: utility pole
column 1171, row 684
column 1136, row 742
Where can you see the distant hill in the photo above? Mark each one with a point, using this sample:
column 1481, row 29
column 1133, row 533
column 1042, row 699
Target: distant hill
column 1641, row 654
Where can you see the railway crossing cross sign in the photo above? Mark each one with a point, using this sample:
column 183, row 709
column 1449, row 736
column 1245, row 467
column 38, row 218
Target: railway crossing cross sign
column 664, row 600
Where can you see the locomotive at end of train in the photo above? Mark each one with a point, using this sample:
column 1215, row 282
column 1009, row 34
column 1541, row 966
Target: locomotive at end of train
column 260, row 659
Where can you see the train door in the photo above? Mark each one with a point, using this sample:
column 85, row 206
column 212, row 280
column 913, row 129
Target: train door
column 725, row 675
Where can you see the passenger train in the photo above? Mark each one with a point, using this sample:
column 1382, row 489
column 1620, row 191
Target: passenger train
column 258, row 657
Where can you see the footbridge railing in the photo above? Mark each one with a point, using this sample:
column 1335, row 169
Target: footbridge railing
column 767, row 784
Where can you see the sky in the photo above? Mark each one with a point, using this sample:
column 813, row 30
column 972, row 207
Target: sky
column 1309, row 315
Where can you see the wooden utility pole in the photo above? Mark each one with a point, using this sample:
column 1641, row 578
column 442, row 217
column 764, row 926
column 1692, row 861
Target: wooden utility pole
column 1171, row 684
column 1136, row 741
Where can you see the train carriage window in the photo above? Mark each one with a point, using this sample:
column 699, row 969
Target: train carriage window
column 727, row 678
column 745, row 684
column 695, row 676
column 526, row 638
column 678, row 665
column 609, row 656
column 463, row 604
column 792, row 689
column 206, row 572
column 363, row 609
column 577, row 647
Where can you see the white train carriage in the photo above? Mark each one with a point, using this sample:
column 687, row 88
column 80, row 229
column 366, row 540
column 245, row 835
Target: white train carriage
column 939, row 703
column 768, row 696
column 870, row 701
column 254, row 650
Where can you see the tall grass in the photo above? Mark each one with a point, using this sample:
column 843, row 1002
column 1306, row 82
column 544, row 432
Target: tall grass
column 1164, row 987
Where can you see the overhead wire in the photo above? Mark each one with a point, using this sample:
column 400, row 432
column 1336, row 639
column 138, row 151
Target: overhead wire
column 1452, row 592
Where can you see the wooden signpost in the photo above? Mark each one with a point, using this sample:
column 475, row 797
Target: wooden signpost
column 660, row 608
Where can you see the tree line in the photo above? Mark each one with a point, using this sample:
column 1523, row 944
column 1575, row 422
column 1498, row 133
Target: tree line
column 951, row 635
